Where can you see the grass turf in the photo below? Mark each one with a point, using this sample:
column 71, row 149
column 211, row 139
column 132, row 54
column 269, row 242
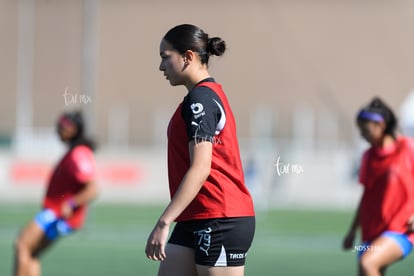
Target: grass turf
column 287, row 242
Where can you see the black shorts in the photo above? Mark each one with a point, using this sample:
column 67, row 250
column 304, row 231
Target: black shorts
column 216, row 242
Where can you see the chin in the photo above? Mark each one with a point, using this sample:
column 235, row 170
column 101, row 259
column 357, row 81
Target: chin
column 173, row 83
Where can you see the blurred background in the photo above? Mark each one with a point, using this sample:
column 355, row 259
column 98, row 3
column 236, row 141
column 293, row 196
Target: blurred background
column 296, row 72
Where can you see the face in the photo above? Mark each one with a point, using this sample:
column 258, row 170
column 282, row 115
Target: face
column 172, row 64
column 66, row 130
column 372, row 131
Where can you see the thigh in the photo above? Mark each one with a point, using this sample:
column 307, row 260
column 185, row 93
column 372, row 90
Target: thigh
column 383, row 251
column 33, row 238
column 220, row 271
column 179, row 261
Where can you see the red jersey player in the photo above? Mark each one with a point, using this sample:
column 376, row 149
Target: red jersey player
column 209, row 200
column 71, row 187
column 385, row 213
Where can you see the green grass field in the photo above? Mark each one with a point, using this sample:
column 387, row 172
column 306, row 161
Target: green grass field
column 287, row 242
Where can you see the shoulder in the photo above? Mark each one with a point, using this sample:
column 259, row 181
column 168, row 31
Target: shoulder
column 83, row 163
column 406, row 141
column 407, row 145
column 205, row 88
column 201, row 93
column 81, row 152
column 202, row 99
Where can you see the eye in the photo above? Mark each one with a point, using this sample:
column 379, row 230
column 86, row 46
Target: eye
column 164, row 56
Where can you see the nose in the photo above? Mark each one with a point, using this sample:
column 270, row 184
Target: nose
column 161, row 67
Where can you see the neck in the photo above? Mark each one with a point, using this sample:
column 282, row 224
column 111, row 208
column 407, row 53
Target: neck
column 196, row 78
column 386, row 141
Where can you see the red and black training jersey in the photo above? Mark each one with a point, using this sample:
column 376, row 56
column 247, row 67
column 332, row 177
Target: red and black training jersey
column 205, row 115
column 387, row 175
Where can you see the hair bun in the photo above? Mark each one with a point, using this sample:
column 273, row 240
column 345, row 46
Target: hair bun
column 216, row 46
column 376, row 102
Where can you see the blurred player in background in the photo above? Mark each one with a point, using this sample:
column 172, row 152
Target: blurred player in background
column 209, row 199
column 385, row 213
column 71, row 187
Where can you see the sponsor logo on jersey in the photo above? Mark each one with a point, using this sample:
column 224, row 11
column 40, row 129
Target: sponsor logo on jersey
column 237, row 256
column 197, row 108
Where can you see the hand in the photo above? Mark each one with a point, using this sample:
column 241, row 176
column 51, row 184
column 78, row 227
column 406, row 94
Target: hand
column 348, row 241
column 66, row 209
column 410, row 223
column 155, row 249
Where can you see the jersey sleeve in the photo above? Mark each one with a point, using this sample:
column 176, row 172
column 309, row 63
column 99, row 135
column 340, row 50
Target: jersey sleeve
column 83, row 164
column 410, row 149
column 203, row 114
column 363, row 169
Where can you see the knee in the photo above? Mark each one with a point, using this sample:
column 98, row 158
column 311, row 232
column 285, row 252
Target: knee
column 368, row 265
column 19, row 244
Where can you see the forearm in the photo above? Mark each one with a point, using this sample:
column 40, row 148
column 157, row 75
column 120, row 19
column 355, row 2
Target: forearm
column 355, row 221
column 86, row 195
column 188, row 190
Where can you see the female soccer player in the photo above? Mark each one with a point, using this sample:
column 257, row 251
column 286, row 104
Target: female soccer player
column 209, row 199
column 386, row 210
column 71, row 187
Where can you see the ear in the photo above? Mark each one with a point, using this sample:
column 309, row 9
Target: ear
column 188, row 56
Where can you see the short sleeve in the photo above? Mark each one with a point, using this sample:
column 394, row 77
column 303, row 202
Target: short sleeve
column 363, row 169
column 83, row 164
column 203, row 114
column 410, row 149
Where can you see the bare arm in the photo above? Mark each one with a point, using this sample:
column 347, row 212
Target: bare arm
column 200, row 165
column 350, row 237
column 86, row 195
column 200, row 158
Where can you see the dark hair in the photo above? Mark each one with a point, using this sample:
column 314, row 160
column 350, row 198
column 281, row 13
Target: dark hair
column 377, row 106
column 80, row 138
column 189, row 37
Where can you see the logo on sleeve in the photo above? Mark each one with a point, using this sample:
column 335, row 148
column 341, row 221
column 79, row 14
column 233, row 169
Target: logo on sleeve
column 198, row 110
